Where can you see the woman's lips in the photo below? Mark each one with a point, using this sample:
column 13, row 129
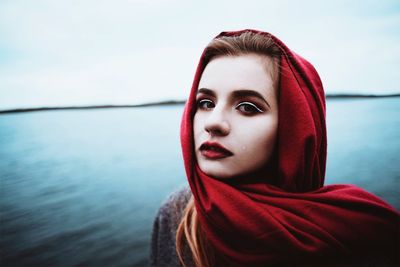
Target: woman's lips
column 213, row 150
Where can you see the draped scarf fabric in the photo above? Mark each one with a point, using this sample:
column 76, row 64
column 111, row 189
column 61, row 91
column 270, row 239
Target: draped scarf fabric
column 296, row 218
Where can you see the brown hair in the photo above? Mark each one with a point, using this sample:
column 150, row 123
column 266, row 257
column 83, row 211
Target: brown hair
column 190, row 234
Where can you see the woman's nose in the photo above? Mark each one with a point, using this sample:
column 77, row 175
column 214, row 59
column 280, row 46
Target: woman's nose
column 217, row 123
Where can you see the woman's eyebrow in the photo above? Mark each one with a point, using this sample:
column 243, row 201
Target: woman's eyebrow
column 206, row 91
column 245, row 92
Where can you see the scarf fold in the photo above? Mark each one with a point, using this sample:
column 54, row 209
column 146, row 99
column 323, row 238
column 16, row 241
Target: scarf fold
column 297, row 219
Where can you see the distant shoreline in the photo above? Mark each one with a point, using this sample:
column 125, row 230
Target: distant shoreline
column 333, row 96
column 162, row 103
column 169, row 103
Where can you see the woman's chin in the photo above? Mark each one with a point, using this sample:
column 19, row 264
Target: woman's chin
column 220, row 174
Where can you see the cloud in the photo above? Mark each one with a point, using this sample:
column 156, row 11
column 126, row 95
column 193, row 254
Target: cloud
column 121, row 52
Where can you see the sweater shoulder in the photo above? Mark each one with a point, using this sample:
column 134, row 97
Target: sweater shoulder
column 163, row 245
column 175, row 204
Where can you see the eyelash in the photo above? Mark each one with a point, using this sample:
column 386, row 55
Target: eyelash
column 255, row 108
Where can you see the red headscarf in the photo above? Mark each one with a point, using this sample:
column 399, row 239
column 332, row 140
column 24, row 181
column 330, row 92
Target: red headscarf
column 297, row 219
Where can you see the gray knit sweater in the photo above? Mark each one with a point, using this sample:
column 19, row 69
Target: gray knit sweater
column 163, row 251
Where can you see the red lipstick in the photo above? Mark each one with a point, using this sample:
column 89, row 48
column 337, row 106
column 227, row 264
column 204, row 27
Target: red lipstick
column 213, row 150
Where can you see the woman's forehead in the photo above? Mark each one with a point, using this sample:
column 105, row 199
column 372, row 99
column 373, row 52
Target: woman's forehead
column 226, row 74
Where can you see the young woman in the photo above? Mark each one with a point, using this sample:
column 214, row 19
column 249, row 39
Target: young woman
column 253, row 137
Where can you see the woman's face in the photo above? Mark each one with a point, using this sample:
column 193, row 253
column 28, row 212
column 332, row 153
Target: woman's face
column 236, row 121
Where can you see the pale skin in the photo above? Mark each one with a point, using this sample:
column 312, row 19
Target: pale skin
column 237, row 107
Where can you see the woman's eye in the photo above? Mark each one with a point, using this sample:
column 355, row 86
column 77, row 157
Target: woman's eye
column 205, row 104
column 248, row 108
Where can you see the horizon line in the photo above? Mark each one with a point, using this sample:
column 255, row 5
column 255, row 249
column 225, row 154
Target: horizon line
column 169, row 103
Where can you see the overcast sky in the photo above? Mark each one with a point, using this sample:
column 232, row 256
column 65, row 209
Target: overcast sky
column 91, row 52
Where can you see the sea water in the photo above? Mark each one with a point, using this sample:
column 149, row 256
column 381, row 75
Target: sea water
column 82, row 187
